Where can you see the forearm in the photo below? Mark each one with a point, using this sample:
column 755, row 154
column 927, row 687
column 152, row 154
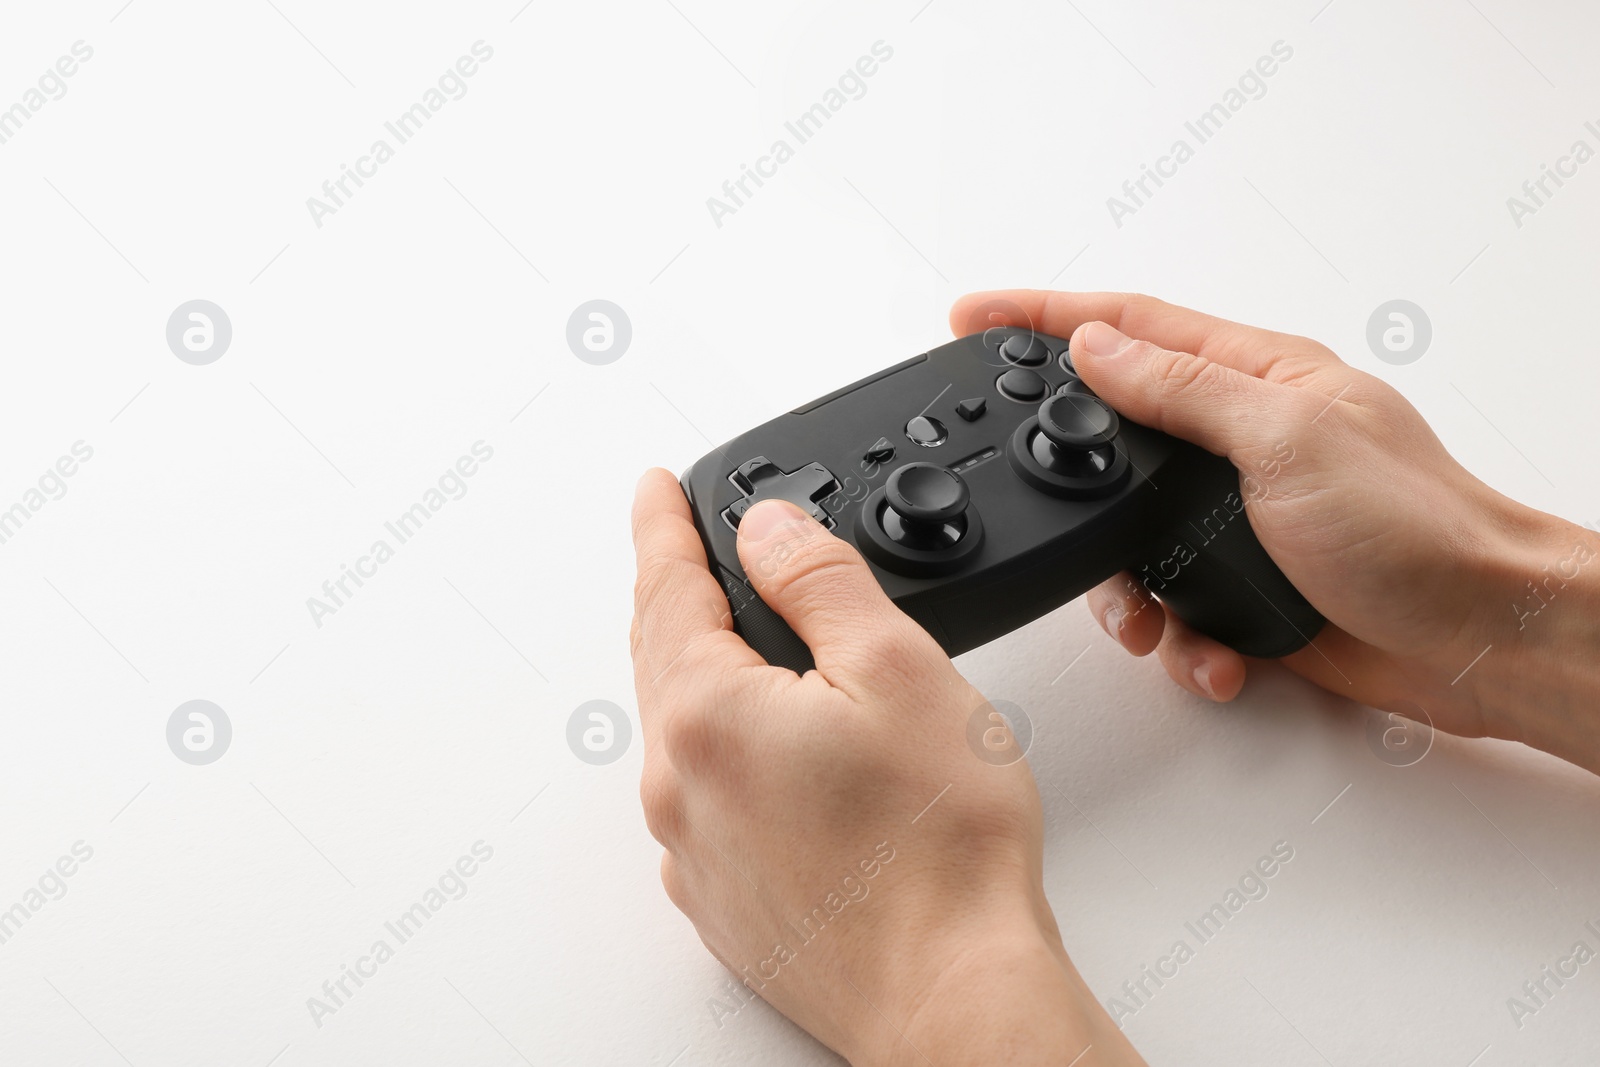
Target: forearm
column 1540, row 675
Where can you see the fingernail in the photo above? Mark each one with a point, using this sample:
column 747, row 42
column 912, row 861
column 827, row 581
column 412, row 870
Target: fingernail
column 766, row 518
column 1202, row 678
column 1112, row 621
column 1104, row 340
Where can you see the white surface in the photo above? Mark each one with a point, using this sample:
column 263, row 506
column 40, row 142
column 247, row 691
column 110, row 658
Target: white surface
column 370, row 753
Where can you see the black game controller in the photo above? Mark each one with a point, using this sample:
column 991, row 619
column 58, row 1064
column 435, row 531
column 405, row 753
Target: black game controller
column 987, row 485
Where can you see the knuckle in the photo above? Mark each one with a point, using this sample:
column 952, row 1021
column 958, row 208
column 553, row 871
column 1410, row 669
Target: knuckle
column 689, row 737
column 1323, row 352
column 898, row 659
column 649, row 583
column 674, row 881
column 704, row 659
column 658, row 576
column 705, row 939
column 699, row 708
column 815, row 569
column 1141, row 307
column 1179, row 373
column 664, row 578
column 730, row 688
column 653, row 528
column 661, row 798
column 694, row 651
column 888, row 650
column 1142, row 314
column 681, row 663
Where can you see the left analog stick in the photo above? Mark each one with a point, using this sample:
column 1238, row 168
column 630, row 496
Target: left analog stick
column 925, row 506
column 927, row 493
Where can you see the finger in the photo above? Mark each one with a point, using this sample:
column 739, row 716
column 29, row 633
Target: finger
column 828, row 596
column 1211, row 404
column 1349, row 667
column 1128, row 613
column 1204, row 667
column 679, row 609
column 1248, row 349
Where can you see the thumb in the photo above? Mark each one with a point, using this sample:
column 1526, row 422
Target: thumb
column 1217, row 407
column 828, row 596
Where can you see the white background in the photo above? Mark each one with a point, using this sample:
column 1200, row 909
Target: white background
column 368, row 354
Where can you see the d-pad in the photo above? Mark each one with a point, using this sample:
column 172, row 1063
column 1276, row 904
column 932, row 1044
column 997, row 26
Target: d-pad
column 760, row 479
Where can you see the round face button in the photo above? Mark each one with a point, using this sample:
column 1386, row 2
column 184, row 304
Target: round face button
column 1077, row 420
column 926, row 431
column 1022, row 385
column 1025, row 350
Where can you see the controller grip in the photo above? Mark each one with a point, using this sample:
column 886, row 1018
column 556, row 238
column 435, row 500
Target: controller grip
column 1214, row 573
column 762, row 628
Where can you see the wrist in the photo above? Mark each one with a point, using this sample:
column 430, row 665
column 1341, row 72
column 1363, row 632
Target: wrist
column 1007, row 993
column 1538, row 680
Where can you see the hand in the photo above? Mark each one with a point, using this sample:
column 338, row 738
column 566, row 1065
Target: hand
column 1418, row 565
column 833, row 838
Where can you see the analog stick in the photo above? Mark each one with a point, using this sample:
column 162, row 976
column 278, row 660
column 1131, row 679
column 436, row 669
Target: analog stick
column 1077, row 421
column 1075, row 433
column 925, row 506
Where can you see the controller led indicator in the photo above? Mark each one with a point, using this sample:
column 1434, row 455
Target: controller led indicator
column 973, row 460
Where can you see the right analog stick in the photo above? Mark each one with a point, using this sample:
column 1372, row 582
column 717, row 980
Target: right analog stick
column 1077, row 421
column 1075, row 435
column 1072, row 449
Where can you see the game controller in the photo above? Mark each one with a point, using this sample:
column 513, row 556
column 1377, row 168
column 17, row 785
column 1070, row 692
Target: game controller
column 986, row 484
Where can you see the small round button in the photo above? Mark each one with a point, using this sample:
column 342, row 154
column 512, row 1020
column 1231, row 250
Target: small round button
column 1022, row 385
column 926, row 431
column 1025, row 350
column 1077, row 421
column 1065, row 359
column 927, row 493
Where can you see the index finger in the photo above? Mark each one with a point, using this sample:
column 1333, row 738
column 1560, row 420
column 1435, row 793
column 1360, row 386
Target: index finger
column 677, row 603
column 1250, row 349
